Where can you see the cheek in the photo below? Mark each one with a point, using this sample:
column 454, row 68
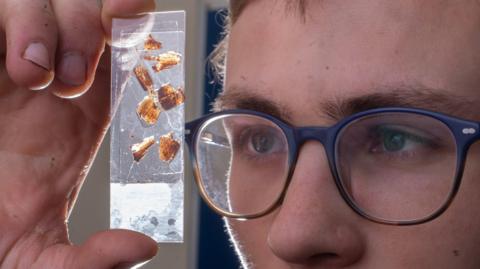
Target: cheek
column 453, row 238
column 472, row 169
column 251, row 193
column 466, row 207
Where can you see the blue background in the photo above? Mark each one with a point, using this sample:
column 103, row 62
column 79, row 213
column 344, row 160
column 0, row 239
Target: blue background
column 215, row 250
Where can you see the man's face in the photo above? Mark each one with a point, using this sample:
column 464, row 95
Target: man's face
column 403, row 53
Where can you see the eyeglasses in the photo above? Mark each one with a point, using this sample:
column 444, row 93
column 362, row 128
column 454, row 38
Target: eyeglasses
column 398, row 166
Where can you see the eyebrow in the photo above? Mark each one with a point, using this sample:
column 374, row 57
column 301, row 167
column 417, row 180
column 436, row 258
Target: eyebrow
column 299, row 7
column 437, row 100
column 340, row 107
column 242, row 98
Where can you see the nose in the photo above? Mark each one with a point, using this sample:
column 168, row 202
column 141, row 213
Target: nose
column 314, row 226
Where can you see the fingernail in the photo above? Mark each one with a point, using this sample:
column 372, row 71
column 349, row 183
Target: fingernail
column 140, row 264
column 37, row 53
column 72, row 69
column 131, row 265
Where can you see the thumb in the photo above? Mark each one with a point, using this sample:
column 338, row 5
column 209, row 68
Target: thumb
column 121, row 9
column 114, row 249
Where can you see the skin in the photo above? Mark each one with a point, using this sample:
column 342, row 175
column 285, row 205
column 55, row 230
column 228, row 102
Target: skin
column 47, row 142
column 341, row 50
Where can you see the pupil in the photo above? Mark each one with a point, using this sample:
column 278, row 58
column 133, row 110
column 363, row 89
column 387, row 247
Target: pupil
column 261, row 143
column 394, row 141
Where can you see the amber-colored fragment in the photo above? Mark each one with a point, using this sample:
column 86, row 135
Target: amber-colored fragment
column 140, row 149
column 148, row 111
column 168, row 147
column 150, row 57
column 165, row 60
column 144, row 78
column 152, row 44
column 170, row 97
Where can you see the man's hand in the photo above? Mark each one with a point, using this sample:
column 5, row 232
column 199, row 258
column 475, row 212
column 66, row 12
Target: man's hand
column 47, row 138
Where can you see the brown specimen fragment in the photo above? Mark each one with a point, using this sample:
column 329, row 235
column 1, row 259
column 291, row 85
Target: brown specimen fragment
column 152, row 44
column 169, row 97
column 164, row 60
column 140, row 149
column 168, row 147
column 144, row 78
column 148, row 111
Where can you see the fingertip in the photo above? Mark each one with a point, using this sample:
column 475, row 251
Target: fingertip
column 67, row 88
column 137, row 241
column 114, row 247
column 32, row 68
column 130, row 265
column 125, row 8
column 69, row 93
column 66, row 91
column 31, row 38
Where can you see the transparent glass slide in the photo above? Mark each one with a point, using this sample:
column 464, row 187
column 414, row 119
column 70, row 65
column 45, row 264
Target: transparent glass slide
column 146, row 155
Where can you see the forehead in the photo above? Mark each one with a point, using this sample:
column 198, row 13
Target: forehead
column 347, row 48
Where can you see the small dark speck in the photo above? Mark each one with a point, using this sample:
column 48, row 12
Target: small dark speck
column 154, row 221
column 171, row 222
column 327, row 67
column 456, row 253
column 46, row 24
column 45, row 6
column 243, row 77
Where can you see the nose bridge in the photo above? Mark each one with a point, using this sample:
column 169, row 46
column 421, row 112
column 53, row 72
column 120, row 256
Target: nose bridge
column 313, row 224
column 319, row 134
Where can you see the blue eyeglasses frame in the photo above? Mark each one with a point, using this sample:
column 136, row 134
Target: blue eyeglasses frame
column 465, row 132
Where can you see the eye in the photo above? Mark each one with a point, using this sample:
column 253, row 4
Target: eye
column 396, row 139
column 262, row 142
column 259, row 141
column 393, row 140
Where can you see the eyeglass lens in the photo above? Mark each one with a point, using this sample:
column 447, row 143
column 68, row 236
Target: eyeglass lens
column 397, row 166
column 243, row 162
